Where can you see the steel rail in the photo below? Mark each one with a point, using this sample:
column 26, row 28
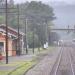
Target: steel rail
column 71, row 64
column 70, row 56
column 57, row 62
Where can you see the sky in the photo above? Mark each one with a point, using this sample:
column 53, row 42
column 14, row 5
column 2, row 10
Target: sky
column 68, row 1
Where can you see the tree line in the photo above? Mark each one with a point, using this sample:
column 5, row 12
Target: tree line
column 39, row 18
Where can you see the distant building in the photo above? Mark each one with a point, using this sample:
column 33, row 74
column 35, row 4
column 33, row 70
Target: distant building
column 12, row 41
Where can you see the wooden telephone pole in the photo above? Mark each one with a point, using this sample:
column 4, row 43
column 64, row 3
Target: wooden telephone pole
column 6, row 32
column 19, row 51
column 26, row 21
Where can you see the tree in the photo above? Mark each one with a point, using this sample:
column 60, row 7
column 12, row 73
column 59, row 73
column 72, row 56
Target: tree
column 30, row 40
column 2, row 2
column 11, row 3
column 53, row 36
column 12, row 18
column 39, row 17
column 42, row 14
column 2, row 19
column 2, row 5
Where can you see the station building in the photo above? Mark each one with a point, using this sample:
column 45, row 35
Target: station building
column 12, row 41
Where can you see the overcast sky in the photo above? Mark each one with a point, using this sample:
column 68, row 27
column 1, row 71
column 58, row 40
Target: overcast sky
column 68, row 1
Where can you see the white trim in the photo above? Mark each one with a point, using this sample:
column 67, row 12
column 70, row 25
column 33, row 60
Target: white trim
column 21, row 33
column 1, row 31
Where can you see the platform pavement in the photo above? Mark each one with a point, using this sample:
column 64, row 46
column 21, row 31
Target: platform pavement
column 22, row 58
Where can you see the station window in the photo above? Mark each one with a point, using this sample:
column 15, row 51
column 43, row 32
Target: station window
column 1, row 46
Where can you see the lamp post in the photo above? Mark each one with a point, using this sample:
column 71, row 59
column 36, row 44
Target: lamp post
column 6, row 32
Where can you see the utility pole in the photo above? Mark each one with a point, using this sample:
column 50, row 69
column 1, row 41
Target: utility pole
column 74, row 28
column 68, row 28
column 33, row 40
column 19, row 52
column 47, row 36
column 38, row 39
column 46, row 31
column 38, row 45
column 26, row 43
column 6, row 5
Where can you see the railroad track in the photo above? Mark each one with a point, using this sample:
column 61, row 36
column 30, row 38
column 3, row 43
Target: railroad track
column 64, row 64
column 72, row 53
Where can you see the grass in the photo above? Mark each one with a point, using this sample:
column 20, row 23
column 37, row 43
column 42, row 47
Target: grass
column 11, row 64
column 22, row 67
column 21, row 70
column 4, row 72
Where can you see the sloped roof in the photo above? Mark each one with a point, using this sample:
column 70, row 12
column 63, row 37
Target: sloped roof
column 11, row 31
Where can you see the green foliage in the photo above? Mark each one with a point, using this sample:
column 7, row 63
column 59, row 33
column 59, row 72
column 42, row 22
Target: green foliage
column 39, row 16
column 53, row 36
column 2, row 19
column 39, row 10
column 21, row 70
column 30, row 39
column 22, row 67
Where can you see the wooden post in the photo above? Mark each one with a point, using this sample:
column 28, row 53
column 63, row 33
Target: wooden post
column 26, row 21
column 6, row 33
column 19, row 51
